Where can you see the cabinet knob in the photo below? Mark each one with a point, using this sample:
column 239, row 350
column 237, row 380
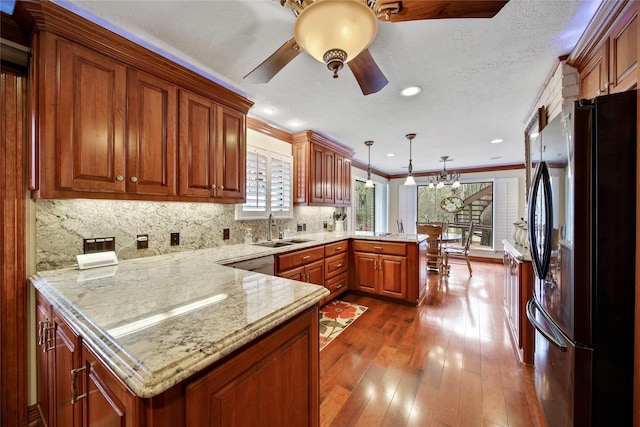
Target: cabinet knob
column 213, row 187
column 119, row 178
column 222, row 187
column 134, row 179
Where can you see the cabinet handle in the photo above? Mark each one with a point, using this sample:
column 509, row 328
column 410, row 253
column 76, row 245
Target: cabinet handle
column 134, row 179
column 375, row 263
column 378, row 248
column 74, row 391
column 213, row 187
column 306, row 257
column 221, row 187
column 338, row 287
column 119, row 178
column 338, row 248
column 43, row 335
column 338, row 265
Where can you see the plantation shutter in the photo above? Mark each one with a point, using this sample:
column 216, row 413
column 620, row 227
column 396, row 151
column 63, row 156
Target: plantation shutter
column 256, row 186
column 281, row 170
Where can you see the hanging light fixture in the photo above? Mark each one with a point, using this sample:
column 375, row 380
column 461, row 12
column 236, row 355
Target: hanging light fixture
column 410, row 180
column 369, row 183
column 334, row 32
column 443, row 177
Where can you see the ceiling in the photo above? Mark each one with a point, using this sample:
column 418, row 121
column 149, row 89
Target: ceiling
column 479, row 77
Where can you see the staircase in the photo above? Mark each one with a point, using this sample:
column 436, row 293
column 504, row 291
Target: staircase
column 472, row 209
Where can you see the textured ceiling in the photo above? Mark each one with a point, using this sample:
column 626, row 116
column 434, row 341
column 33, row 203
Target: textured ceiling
column 479, row 77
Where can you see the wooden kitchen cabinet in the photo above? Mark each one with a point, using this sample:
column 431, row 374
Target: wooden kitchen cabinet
column 389, row 269
column 152, row 127
column 518, row 290
column 106, row 118
column 322, row 171
column 306, row 265
column 607, row 60
column 336, row 269
column 90, row 126
column 247, row 390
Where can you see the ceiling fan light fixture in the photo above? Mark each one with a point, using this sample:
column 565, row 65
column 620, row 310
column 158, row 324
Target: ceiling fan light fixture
column 327, row 26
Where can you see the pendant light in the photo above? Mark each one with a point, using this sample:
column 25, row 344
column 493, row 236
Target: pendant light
column 410, row 180
column 369, row 183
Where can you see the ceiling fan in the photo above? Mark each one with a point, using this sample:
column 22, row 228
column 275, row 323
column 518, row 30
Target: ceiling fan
column 336, row 32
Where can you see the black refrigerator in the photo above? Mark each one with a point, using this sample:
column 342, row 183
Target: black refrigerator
column 581, row 219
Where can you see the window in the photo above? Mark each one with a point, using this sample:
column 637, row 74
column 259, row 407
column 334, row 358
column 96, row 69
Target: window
column 458, row 207
column 365, row 207
column 268, row 185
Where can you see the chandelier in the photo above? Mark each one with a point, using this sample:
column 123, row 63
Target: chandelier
column 369, row 183
column 443, row 177
column 410, row 180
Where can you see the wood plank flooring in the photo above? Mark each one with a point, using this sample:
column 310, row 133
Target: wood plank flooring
column 449, row 364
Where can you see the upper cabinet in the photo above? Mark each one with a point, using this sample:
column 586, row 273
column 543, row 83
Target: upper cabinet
column 110, row 119
column 322, row 171
column 606, row 55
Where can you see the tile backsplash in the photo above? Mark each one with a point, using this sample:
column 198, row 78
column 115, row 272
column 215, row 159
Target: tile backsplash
column 61, row 226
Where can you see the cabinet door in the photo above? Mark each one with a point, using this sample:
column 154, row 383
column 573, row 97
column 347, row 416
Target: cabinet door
column 316, row 179
column 366, row 271
column 66, row 357
column 594, row 78
column 197, row 145
column 107, row 402
column 339, row 179
column 315, row 272
column 230, row 159
column 152, row 135
column 301, row 179
column 392, row 276
column 90, row 124
column 328, row 177
column 294, row 274
column 624, row 53
column 346, row 182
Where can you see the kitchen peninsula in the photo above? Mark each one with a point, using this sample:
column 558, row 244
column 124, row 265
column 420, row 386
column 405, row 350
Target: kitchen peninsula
column 174, row 339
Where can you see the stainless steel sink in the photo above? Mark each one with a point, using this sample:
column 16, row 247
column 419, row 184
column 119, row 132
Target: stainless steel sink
column 280, row 243
column 273, row 244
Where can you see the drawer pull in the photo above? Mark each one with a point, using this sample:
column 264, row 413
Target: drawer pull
column 74, row 392
column 338, row 265
column 338, row 248
column 306, row 257
column 339, row 286
column 378, row 248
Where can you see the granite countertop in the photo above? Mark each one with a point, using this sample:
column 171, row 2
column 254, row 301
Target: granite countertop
column 518, row 251
column 157, row 320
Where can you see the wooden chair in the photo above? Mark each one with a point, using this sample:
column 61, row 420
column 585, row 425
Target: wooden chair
column 434, row 247
column 459, row 252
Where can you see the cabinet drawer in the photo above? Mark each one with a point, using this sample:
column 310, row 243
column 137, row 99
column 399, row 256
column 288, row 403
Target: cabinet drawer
column 336, row 248
column 296, row 259
column 338, row 283
column 335, row 264
column 378, row 247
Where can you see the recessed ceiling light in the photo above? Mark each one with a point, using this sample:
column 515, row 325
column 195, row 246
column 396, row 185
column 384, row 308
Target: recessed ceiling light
column 268, row 111
column 390, row 154
column 294, row 123
column 497, row 141
column 495, row 158
column 411, row 91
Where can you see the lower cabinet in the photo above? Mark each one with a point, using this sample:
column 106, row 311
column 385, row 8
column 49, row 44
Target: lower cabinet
column 518, row 289
column 273, row 380
column 336, row 269
column 389, row 269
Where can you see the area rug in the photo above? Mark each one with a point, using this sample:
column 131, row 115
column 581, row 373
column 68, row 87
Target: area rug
column 335, row 317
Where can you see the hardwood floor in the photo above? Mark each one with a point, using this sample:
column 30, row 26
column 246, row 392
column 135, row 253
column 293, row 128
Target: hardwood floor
column 450, row 364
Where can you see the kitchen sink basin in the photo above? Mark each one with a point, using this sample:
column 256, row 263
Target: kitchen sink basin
column 280, row 243
column 273, row 244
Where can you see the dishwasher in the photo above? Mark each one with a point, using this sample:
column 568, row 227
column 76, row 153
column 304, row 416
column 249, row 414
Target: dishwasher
column 263, row 264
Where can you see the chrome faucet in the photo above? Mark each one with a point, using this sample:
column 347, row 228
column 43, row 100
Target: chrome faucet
column 271, row 223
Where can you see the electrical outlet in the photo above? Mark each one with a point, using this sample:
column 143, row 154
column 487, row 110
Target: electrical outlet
column 175, row 239
column 142, row 241
column 225, row 234
column 99, row 244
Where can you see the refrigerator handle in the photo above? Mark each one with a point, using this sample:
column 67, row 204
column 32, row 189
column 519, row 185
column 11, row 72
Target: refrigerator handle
column 555, row 339
column 541, row 260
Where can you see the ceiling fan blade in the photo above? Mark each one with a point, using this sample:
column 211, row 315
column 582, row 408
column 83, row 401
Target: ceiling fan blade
column 273, row 64
column 413, row 10
column 367, row 73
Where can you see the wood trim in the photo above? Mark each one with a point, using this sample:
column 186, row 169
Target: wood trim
column 363, row 166
column 268, row 130
column 13, row 287
column 316, row 138
column 466, row 170
column 530, row 118
column 597, row 31
column 11, row 31
column 36, row 16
